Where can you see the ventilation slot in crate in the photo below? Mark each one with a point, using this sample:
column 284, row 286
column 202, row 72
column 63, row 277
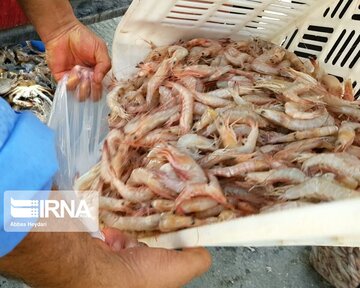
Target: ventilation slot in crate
column 313, row 41
column 230, row 14
column 345, row 52
column 356, row 16
column 356, row 89
column 244, row 17
column 289, row 39
column 357, row 95
column 338, row 9
column 187, row 12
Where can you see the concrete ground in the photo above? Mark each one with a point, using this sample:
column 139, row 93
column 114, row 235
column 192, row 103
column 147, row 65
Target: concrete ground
column 278, row 267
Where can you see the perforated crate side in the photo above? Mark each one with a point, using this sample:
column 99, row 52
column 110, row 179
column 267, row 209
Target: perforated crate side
column 326, row 29
column 332, row 35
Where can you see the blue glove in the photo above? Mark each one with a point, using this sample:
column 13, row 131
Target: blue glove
column 38, row 45
column 34, row 45
column 27, row 162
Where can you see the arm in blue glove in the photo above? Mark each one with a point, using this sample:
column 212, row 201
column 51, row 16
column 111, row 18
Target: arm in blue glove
column 27, row 161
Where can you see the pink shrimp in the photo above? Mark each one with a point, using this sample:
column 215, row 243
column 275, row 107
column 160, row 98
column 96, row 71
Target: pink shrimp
column 211, row 212
column 220, row 71
column 305, row 134
column 295, row 61
column 197, row 204
column 207, row 118
column 192, row 83
column 148, row 68
column 187, row 107
column 121, row 158
column 265, row 63
column 178, row 53
column 196, row 142
column 114, row 205
column 340, row 163
column 211, row 189
column 131, row 223
column 332, row 85
column 280, row 118
column 149, row 122
column 171, row 222
column 197, row 71
column 354, row 150
column 287, row 175
column 226, row 132
column 301, row 111
column 219, row 61
column 237, row 58
column 195, row 55
column 241, row 169
column 156, row 136
column 165, row 95
column 211, row 100
column 319, row 188
column 211, row 47
column 170, row 181
column 162, row 205
column 228, row 153
column 292, row 150
column 185, row 167
column 234, row 115
column 137, row 195
column 199, row 108
column 346, row 135
column 145, row 177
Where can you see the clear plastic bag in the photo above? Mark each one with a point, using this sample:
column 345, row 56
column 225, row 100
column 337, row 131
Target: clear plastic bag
column 80, row 129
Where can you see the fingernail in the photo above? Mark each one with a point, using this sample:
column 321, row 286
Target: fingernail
column 98, row 77
column 116, row 246
column 132, row 244
column 142, row 244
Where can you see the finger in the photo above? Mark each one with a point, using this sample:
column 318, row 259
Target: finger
column 96, row 91
column 168, row 268
column 103, row 62
column 73, row 78
column 59, row 76
column 118, row 241
column 83, row 90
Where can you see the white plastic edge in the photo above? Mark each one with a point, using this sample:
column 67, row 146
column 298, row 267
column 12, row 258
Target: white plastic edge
column 328, row 224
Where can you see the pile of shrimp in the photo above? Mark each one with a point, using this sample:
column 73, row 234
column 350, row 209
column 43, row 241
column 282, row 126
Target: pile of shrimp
column 211, row 130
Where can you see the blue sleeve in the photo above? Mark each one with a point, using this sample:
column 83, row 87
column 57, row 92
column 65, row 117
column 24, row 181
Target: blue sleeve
column 27, row 161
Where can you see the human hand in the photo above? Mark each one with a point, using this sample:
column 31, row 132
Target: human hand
column 55, row 260
column 73, row 46
column 150, row 267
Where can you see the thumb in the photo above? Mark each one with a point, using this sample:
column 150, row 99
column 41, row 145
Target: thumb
column 118, row 240
column 103, row 62
column 167, row 268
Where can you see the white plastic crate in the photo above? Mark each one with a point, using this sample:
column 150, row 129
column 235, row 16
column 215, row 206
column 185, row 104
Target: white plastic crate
column 327, row 30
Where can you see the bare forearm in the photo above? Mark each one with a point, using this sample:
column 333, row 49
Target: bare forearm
column 49, row 16
column 48, row 259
